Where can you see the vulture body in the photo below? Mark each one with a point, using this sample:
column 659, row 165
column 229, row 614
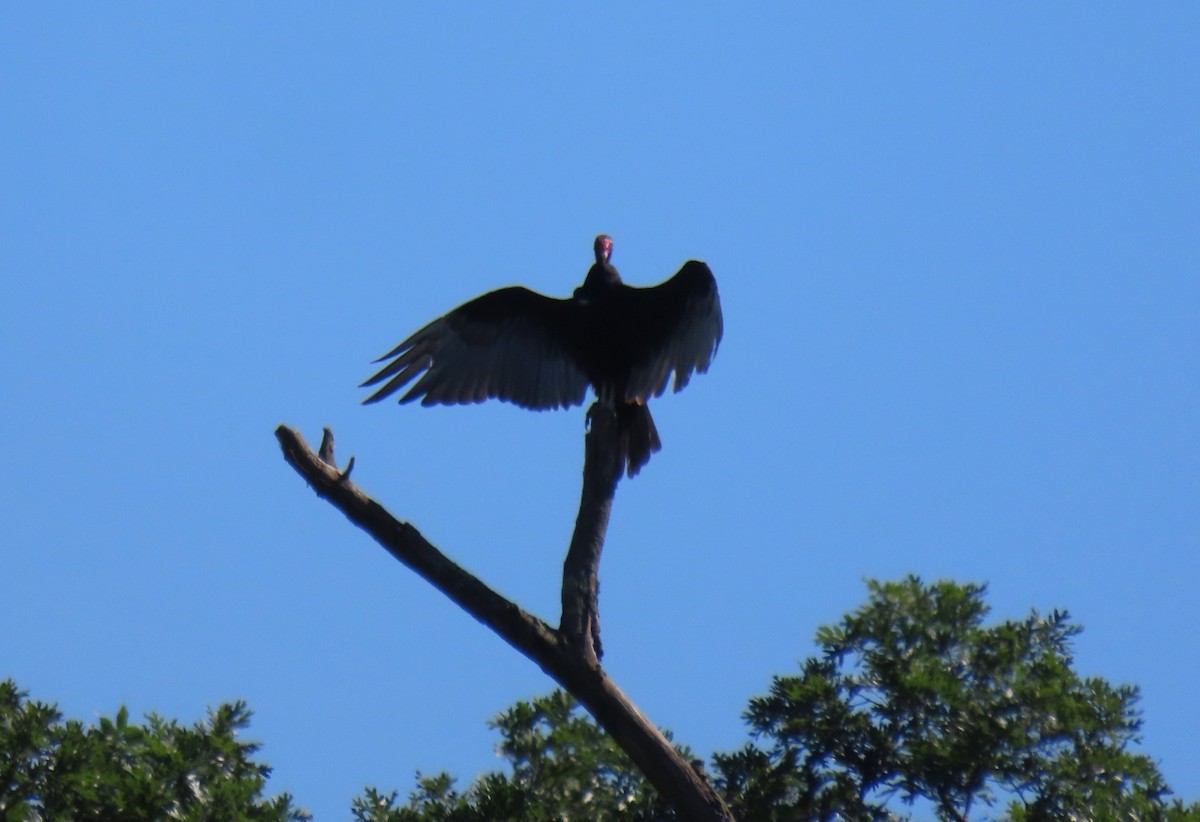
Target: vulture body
column 541, row 352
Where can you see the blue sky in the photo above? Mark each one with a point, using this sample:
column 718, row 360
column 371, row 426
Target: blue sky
column 958, row 257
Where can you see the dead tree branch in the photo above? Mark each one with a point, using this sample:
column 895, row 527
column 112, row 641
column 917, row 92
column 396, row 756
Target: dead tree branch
column 569, row 655
column 602, row 465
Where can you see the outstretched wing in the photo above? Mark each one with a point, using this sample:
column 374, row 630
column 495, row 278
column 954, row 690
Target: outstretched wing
column 675, row 327
column 513, row 344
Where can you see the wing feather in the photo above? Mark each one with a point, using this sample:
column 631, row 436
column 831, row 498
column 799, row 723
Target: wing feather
column 679, row 327
column 512, row 344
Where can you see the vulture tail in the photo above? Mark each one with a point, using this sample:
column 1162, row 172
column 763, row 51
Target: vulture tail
column 638, row 435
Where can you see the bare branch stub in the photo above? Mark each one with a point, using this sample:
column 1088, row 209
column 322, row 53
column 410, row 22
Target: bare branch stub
column 325, row 452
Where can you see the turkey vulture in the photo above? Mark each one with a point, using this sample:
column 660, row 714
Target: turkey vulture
column 541, row 352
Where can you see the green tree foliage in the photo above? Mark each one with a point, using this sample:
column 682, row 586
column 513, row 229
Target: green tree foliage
column 563, row 767
column 913, row 698
column 913, row 707
column 65, row 771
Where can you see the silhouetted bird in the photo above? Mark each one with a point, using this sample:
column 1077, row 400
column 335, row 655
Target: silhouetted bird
column 541, row 352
